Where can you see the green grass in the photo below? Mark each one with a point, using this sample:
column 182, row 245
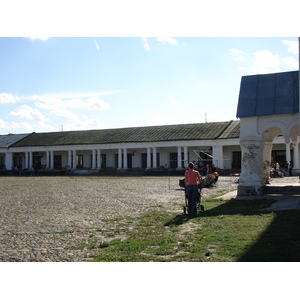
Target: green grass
column 227, row 231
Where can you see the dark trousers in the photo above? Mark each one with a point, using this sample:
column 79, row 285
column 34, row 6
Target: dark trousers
column 192, row 196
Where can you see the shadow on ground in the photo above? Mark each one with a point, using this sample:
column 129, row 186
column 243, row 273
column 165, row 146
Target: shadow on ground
column 280, row 242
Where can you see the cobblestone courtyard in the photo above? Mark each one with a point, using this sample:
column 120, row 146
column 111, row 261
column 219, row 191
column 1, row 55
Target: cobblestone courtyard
column 48, row 218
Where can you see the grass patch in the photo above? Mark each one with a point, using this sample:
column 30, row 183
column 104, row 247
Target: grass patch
column 228, row 231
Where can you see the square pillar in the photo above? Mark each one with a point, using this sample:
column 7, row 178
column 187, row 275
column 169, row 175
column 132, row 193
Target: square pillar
column 179, row 162
column 185, row 156
column 119, row 158
column 8, row 160
column 30, row 160
column 26, row 161
column 148, row 158
column 51, row 160
column 74, row 159
column 99, row 159
column 154, row 158
column 70, row 159
column 125, row 158
column 93, row 159
column 288, row 151
column 252, row 179
column 47, row 159
column 218, row 156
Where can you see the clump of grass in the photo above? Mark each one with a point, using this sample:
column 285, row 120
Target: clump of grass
column 227, row 231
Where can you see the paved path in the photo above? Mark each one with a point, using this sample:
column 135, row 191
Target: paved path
column 283, row 202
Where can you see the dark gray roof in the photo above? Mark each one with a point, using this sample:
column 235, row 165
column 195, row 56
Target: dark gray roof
column 269, row 94
column 9, row 139
column 198, row 131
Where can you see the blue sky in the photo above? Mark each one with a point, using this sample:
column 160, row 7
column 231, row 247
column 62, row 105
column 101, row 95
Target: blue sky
column 54, row 84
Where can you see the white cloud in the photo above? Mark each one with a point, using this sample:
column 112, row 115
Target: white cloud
column 146, row 44
column 96, row 45
column 53, row 103
column 64, row 113
column 43, row 125
column 42, row 38
column 29, row 113
column 84, row 124
column 7, row 98
column 237, row 54
column 293, row 46
column 175, row 103
column 167, row 40
column 20, row 126
column 48, row 102
column 24, row 126
column 90, row 103
column 265, row 62
column 4, row 125
column 291, row 62
column 267, row 59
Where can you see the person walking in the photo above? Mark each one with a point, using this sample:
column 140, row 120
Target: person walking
column 192, row 179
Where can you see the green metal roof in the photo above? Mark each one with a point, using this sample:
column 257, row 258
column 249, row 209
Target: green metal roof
column 198, row 131
column 10, row 139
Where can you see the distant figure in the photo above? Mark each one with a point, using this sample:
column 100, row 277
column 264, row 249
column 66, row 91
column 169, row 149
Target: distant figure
column 192, row 179
column 214, row 171
column 207, row 169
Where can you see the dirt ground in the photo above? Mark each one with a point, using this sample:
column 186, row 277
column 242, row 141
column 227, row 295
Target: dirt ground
column 48, row 218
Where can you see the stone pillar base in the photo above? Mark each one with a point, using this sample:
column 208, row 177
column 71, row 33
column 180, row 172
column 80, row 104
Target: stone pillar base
column 250, row 190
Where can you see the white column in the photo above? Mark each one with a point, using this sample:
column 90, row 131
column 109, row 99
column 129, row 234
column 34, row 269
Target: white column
column 296, row 155
column 99, row 159
column 70, row 159
column 154, row 158
column 125, row 158
column 51, row 160
column 179, row 162
column 26, row 160
column 185, row 151
column 267, row 153
column 8, row 160
column 287, row 151
column 47, row 159
column 218, row 156
column 30, row 160
column 148, row 158
column 93, row 159
column 74, row 159
column 119, row 158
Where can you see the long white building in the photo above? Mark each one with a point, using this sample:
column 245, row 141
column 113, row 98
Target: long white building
column 147, row 148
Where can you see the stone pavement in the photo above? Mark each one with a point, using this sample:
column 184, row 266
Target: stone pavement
column 282, row 201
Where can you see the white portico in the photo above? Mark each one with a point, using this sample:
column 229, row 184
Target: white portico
column 268, row 109
column 153, row 147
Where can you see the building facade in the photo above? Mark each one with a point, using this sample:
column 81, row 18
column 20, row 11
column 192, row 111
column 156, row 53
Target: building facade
column 153, row 147
column 168, row 147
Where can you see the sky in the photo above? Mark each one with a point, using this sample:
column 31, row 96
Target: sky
column 72, row 83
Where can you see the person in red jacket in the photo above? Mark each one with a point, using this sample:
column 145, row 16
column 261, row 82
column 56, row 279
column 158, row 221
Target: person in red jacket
column 192, row 179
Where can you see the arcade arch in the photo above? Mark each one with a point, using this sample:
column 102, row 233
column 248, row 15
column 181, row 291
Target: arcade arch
column 257, row 139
